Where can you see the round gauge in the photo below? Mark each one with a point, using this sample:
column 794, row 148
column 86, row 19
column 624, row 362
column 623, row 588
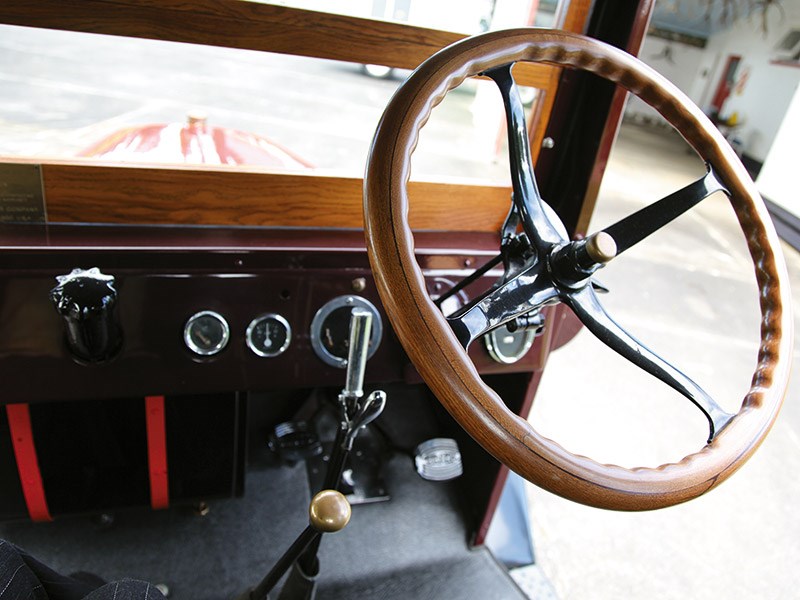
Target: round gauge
column 506, row 347
column 330, row 329
column 206, row 333
column 268, row 335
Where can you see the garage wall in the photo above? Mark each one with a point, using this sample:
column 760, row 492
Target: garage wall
column 764, row 98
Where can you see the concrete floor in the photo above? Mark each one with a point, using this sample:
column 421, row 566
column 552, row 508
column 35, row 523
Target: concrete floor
column 689, row 293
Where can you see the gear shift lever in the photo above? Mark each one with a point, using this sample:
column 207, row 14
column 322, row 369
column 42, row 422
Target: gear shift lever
column 354, row 414
column 329, row 510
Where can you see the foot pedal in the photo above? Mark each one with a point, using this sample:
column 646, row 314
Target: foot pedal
column 438, row 459
column 294, row 441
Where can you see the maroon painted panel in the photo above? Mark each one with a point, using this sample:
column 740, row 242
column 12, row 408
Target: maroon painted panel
column 165, row 275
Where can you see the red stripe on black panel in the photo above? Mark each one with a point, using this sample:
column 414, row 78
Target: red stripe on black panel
column 157, row 451
column 19, row 425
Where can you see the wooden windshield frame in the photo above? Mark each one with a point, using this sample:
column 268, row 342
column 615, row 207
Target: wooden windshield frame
column 86, row 191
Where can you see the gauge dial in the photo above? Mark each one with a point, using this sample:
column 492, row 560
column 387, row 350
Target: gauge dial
column 206, row 333
column 268, row 335
column 506, row 347
column 330, row 329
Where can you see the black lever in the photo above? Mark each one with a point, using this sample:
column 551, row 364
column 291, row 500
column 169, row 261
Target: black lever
column 329, row 510
column 85, row 299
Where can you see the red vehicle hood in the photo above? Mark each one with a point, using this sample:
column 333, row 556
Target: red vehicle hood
column 195, row 142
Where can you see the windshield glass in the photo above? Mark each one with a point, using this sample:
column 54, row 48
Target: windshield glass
column 72, row 95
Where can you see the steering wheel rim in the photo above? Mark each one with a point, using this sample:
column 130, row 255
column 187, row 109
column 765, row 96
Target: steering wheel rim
column 441, row 359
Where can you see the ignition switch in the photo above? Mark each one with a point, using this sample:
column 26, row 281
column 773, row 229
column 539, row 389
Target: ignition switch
column 85, row 299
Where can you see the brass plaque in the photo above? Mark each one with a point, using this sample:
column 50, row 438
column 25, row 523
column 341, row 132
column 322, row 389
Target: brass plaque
column 21, row 194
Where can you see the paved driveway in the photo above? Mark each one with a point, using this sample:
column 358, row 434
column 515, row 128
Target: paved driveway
column 689, row 293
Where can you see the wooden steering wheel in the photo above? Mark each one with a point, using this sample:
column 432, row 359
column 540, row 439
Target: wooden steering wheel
column 547, row 267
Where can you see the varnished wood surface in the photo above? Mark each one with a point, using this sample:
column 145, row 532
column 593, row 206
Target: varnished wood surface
column 85, row 193
column 537, row 125
column 434, row 349
column 575, row 19
column 249, row 26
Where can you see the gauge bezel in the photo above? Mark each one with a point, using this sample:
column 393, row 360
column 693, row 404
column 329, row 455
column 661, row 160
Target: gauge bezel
column 217, row 348
column 492, row 346
column 342, row 302
column 248, row 336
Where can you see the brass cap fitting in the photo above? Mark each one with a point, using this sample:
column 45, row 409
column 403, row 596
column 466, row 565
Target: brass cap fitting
column 601, row 247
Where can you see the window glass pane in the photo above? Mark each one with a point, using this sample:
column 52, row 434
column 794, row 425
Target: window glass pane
column 462, row 16
column 67, row 95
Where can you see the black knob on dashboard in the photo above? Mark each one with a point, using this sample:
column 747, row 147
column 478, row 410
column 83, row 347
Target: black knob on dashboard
column 85, row 299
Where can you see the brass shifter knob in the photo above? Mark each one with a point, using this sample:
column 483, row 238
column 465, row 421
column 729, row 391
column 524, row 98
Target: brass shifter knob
column 329, row 511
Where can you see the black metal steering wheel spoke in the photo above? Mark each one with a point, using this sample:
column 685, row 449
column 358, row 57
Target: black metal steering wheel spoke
column 536, row 222
column 513, row 297
column 635, row 227
column 541, row 266
column 586, row 305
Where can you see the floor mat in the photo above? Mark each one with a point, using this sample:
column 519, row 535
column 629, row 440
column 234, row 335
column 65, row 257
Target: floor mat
column 411, row 547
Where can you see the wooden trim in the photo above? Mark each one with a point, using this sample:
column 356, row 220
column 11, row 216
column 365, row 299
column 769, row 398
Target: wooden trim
column 577, row 15
column 541, row 114
column 250, row 26
column 77, row 192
